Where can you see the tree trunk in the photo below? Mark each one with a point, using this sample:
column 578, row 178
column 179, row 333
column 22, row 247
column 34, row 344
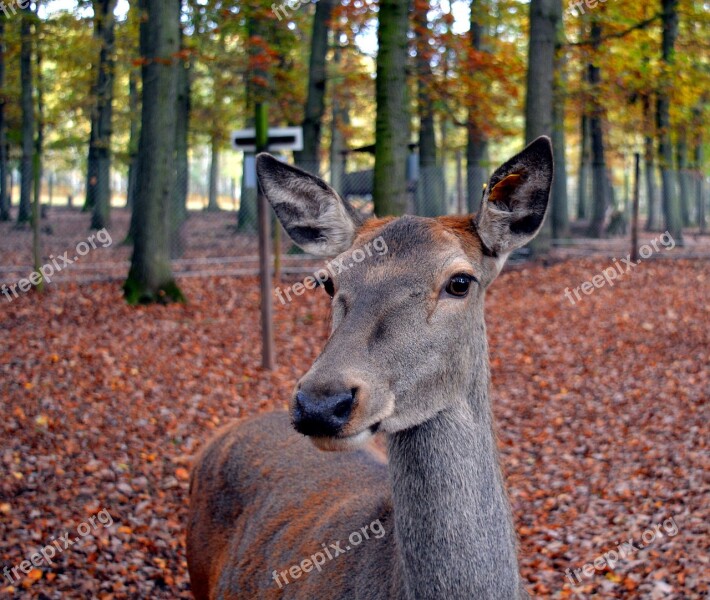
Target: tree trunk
column 134, row 107
column 599, row 175
column 544, row 16
column 476, row 139
column 178, row 214
column 213, row 174
column 699, row 175
column 340, row 118
column 150, row 278
column 309, row 157
column 431, row 193
column 683, row 183
column 4, row 196
column 585, row 166
column 649, row 172
column 560, row 216
column 671, row 203
column 393, row 116
column 98, row 172
column 28, row 118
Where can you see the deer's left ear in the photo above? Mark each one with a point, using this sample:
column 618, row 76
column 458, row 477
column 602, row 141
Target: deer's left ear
column 515, row 201
column 313, row 214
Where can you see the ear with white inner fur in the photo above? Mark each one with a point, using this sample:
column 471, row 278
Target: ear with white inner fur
column 314, row 216
column 515, row 201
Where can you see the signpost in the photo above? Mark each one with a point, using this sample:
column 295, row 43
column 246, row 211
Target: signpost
column 261, row 139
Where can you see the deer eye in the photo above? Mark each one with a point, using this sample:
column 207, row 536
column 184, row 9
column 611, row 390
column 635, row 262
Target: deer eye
column 329, row 287
column 458, row 285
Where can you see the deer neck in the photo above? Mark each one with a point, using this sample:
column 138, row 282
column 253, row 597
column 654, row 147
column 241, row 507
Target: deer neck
column 452, row 518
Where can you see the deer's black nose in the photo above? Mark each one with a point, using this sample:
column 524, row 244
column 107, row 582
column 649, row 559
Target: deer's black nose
column 322, row 416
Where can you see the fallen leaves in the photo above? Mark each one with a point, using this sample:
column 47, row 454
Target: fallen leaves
column 601, row 410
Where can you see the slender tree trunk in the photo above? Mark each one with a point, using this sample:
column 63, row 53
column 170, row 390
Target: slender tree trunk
column 98, row 180
column 178, row 214
column 430, row 192
column 699, row 174
column 649, row 167
column 150, row 278
column 28, row 118
column 4, row 195
column 134, row 107
column 600, row 199
column 393, row 115
column 476, row 139
column 340, row 118
column 309, row 157
column 671, row 203
column 585, row 166
column 213, row 174
column 539, row 100
column 683, row 183
column 37, row 160
column 560, row 216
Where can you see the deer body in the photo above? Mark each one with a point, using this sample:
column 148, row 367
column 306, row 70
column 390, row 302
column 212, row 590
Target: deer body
column 407, row 356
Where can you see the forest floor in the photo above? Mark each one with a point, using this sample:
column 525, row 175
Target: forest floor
column 601, row 408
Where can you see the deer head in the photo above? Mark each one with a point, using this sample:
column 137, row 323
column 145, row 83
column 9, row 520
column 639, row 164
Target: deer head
column 407, row 324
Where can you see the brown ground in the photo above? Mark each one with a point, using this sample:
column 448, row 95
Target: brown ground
column 602, row 408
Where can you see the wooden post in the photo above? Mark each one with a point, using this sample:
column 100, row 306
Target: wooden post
column 267, row 325
column 635, row 210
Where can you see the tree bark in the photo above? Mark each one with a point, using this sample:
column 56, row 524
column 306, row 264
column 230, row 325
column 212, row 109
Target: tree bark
column 28, row 116
column 178, row 214
column 585, row 166
column 134, row 107
column 213, row 174
column 4, row 196
column 309, row 157
column 476, row 139
column 431, row 193
column 150, row 278
column 699, row 175
column 671, row 202
column 340, row 118
column 683, row 183
column 544, row 16
column 393, row 115
column 600, row 199
column 560, row 216
column 649, row 172
column 98, row 172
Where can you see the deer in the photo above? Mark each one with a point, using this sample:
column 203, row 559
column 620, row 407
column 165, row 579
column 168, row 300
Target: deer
column 276, row 499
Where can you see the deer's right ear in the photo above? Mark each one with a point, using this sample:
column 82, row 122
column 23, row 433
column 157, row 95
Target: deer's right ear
column 314, row 216
column 515, row 201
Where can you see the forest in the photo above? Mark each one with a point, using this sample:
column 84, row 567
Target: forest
column 406, row 105
column 150, row 296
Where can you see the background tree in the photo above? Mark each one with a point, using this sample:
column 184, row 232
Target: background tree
column 671, row 203
column 544, row 15
column 28, row 121
column 150, row 278
column 4, row 196
column 393, row 114
column 98, row 171
column 309, row 157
